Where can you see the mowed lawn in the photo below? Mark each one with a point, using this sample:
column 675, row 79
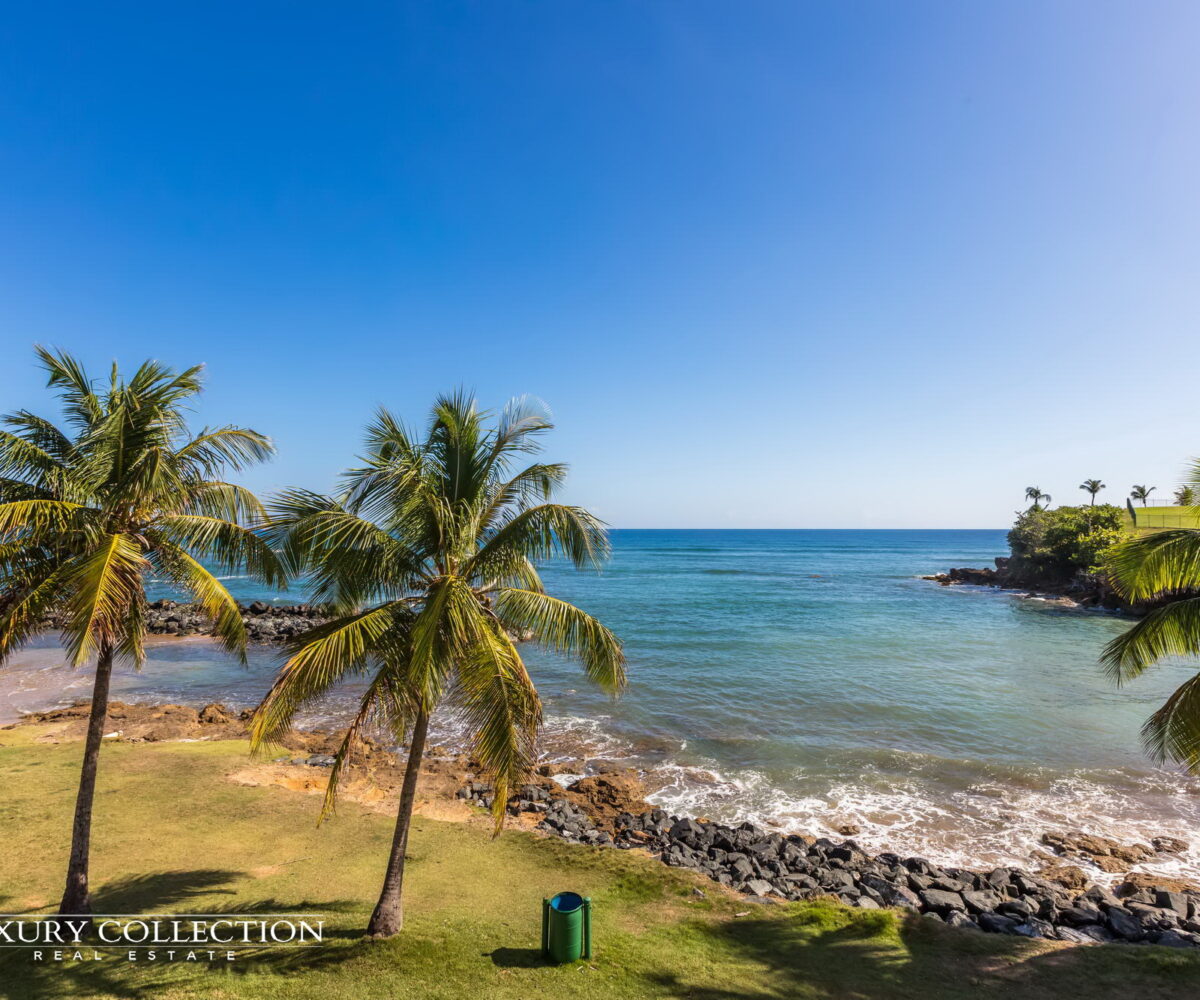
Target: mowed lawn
column 173, row 834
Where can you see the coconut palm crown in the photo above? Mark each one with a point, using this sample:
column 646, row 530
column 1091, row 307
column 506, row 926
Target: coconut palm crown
column 1092, row 486
column 1142, row 493
column 1158, row 565
column 89, row 512
column 1035, row 494
column 427, row 557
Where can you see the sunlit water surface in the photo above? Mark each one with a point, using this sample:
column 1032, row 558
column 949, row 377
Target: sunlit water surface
column 808, row 679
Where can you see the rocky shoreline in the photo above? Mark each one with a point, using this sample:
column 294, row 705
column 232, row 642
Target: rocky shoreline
column 1084, row 591
column 1058, row 904
column 265, row 623
column 608, row 809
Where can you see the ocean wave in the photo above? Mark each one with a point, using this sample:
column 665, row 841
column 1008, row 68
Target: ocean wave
column 985, row 825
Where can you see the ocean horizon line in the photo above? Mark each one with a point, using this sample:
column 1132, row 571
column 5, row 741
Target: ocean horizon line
column 677, row 528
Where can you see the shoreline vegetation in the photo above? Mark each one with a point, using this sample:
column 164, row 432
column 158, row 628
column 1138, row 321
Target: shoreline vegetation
column 1060, row 553
column 1088, row 889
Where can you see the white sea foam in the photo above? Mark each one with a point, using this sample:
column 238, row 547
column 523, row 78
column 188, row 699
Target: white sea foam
column 985, row 825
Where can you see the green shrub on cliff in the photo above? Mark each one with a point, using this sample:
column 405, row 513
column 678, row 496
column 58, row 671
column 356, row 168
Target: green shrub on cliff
column 1053, row 546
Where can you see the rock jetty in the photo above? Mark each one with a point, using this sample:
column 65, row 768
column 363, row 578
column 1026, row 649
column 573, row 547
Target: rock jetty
column 265, row 623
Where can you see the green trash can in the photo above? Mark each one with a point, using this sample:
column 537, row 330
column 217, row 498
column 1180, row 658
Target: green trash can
column 567, row 927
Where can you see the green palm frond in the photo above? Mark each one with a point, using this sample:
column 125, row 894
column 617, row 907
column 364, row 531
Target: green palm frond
column 42, row 434
column 522, row 420
column 350, row 560
column 460, row 448
column 187, row 574
column 500, row 708
column 1162, row 562
column 565, row 628
column 1173, row 732
column 387, row 702
column 225, row 544
column 542, row 532
column 17, row 489
column 326, row 654
column 534, row 484
column 394, row 474
column 39, row 517
column 28, row 460
column 31, row 591
column 443, row 631
column 228, row 447
column 103, row 585
column 80, row 402
column 1172, row 630
column 228, row 501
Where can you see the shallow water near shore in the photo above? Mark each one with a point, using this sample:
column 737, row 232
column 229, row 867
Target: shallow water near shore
column 808, row 679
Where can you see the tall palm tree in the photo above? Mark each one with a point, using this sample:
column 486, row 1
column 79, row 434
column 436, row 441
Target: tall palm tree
column 1142, row 493
column 427, row 556
column 1157, row 565
column 1092, row 486
column 1035, row 494
column 88, row 513
column 1185, row 496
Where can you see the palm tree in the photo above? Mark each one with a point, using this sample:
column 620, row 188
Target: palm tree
column 1162, row 564
column 1185, row 496
column 1092, row 486
column 1142, row 493
column 1035, row 494
column 427, row 557
column 87, row 513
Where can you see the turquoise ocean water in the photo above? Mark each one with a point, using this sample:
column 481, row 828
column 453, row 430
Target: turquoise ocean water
column 808, row 679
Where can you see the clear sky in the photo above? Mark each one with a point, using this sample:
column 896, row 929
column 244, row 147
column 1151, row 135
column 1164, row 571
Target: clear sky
column 789, row 264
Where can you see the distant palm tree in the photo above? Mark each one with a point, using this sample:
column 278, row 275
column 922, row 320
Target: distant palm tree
column 1092, row 486
column 1163, row 564
column 1142, row 493
column 1185, row 496
column 1035, row 494
column 87, row 514
column 427, row 556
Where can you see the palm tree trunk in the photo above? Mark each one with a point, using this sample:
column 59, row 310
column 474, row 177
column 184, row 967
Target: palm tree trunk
column 388, row 917
column 77, row 900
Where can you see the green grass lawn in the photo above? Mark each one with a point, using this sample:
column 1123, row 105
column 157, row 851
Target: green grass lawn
column 173, row 834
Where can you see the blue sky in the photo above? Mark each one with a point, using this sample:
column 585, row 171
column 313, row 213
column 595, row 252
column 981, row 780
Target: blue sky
column 782, row 265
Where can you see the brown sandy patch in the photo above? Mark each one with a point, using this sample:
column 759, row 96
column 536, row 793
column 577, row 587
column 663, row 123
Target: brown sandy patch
column 378, row 789
column 373, row 778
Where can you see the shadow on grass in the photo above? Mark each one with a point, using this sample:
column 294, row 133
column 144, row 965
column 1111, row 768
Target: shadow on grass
column 880, row 955
column 517, row 958
column 164, row 893
column 25, row 979
column 160, row 891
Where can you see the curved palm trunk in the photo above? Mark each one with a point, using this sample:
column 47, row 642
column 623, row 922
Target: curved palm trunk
column 77, row 898
column 388, row 917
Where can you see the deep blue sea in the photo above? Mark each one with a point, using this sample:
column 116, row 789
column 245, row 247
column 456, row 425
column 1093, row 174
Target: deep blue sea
column 808, row 679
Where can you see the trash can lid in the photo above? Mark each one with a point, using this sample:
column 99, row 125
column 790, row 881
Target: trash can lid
column 565, row 902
